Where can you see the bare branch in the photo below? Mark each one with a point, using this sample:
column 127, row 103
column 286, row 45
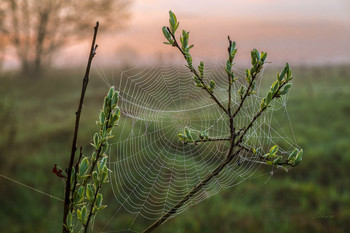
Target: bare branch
column 67, row 199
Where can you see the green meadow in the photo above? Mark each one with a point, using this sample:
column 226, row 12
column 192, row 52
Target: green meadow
column 36, row 129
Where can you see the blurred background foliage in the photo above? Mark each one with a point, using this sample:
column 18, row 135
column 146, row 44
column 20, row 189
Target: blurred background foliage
column 36, row 130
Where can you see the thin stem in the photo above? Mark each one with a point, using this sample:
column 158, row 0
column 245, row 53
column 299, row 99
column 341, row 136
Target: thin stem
column 245, row 94
column 211, row 140
column 233, row 144
column 67, row 202
column 256, row 116
column 195, row 142
column 86, row 226
column 195, row 189
column 260, row 156
column 76, row 167
column 215, row 172
column 229, row 76
column 193, row 70
column 98, row 152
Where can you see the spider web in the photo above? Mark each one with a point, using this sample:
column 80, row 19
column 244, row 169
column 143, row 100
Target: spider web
column 152, row 170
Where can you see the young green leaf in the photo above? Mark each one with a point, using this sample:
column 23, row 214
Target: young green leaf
column 188, row 134
column 182, row 137
column 277, row 160
column 212, row 85
column 298, row 158
column 90, row 192
column 293, row 154
column 99, row 199
column 201, row 69
column 84, row 165
column 274, row 87
column 167, row 36
column 285, row 89
column 173, row 22
column 273, row 150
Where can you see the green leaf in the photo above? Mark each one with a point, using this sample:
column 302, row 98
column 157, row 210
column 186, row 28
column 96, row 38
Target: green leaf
column 283, row 73
column 102, row 164
column 69, row 220
column 79, row 194
column 90, row 192
column 197, row 81
column 115, row 98
column 182, row 137
column 188, row 134
column 263, row 56
column 173, row 22
column 293, row 154
column 96, row 140
column 167, row 35
column 268, row 98
column 233, row 50
column 273, row 150
column 102, row 118
column 201, row 69
column 255, row 57
column 269, row 162
column 298, row 158
column 285, row 89
column 248, row 76
column 277, row 160
column 212, row 85
column 253, row 87
column 110, row 93
column 201, row 136
column 241, row 91
column 80, row 216
column 84, row 165
column 274, row 87
column 205, row 134
column 228, row 67
column 95, row 178
column 99, row 199
column 279, row 78
column 188, row 59
column 84, row 215
column 104, row 175
column 184, row 40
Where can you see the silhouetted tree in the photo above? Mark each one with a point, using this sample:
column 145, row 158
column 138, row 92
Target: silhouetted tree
column 36, row 29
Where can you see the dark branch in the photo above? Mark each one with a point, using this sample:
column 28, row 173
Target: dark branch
column 194, row 71
column 246, row 94
column 67, row 199
column 211, row 140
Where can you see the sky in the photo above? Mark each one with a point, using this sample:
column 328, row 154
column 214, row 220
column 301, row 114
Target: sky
column 298, row 31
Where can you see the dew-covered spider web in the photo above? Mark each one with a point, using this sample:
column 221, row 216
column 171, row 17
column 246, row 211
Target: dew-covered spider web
column 152, row 170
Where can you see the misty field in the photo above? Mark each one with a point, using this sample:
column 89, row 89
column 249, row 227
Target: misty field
column 36, row 127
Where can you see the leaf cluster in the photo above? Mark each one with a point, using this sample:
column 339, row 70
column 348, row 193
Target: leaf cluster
column 273, row 159
column 279, row 88
column 90, row 173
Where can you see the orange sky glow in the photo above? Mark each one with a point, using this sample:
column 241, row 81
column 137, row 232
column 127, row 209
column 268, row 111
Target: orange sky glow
column 299, row 31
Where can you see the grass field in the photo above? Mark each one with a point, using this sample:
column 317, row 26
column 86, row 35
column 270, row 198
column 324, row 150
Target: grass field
column 36, row 127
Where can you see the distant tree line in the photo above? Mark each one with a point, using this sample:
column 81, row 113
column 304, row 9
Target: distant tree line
column 37, row 29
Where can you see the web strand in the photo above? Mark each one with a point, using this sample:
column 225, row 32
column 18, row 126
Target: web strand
column 152, row 169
